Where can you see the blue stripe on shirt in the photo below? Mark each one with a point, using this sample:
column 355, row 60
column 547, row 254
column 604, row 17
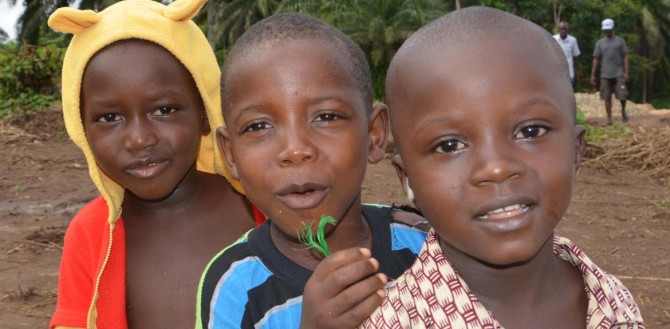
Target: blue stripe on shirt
column 228, row 312
column 404, row 237
column 283, row 316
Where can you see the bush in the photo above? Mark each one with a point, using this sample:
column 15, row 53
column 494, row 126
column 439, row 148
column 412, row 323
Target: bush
column 661, row 103
column 29, row 77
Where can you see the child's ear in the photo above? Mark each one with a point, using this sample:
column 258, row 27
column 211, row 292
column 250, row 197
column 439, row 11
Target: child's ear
column 223, row 141
column 377, row 131
column 396, row 160
column 580, row 132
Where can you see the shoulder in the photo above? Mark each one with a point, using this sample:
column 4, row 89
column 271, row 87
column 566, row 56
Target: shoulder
column 236, row 266
column 613, row 299
column 90, row 220
column 230, row 259
column 408, row 229
column 410, row 216
column 238, row 289
column 226, row 283
column 93, row 213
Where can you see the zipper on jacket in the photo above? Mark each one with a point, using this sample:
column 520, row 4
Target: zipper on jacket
column 90, row 323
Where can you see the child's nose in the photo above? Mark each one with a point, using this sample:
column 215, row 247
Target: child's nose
column 139, row 135
column 298, row 148
column 495, row 165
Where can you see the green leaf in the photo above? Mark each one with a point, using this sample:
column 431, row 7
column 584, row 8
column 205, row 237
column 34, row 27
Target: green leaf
column 316, row 241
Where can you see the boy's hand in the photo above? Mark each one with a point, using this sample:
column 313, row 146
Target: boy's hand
column 343, row 291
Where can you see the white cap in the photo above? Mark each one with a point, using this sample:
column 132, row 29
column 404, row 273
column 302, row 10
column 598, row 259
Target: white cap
column 608, row 24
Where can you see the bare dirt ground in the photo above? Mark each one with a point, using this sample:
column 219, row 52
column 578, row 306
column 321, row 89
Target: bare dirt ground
column 621, row 219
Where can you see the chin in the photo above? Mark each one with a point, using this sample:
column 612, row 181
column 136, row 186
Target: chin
column 513, row 257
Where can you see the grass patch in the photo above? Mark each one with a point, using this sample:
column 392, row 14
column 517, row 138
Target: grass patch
column 599, row 135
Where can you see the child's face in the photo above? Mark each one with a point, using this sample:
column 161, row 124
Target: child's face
column 143, row 117
column 298, row 136
column 489, row 145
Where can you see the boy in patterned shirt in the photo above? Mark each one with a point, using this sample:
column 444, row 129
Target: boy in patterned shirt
column 489, row 147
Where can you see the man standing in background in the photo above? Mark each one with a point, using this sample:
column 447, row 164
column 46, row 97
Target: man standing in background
column 611, row 51
column 571, row 50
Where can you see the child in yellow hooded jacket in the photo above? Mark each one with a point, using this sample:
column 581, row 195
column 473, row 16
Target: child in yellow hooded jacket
column 141, row 99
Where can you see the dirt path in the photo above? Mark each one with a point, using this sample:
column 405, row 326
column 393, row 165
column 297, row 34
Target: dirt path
column 621, row 221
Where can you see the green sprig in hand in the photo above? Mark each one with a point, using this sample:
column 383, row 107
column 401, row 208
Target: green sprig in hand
column 316, row 241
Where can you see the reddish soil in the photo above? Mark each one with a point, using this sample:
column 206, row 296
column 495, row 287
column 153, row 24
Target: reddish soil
column 621, row 220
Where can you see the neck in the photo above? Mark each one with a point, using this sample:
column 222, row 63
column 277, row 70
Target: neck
column 519, row 285
column 351, row 230
column 184, row 194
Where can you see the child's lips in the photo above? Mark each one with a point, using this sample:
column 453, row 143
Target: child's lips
column 302, row 196
column 505, row 212
column 146, row 169
column 507, row 217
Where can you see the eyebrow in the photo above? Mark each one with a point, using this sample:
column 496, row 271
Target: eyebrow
column 106, row 101
column 536, row 100
column 312, row 100
column 433, row 121
column 456, row 116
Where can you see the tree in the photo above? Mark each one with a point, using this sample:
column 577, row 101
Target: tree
column 227, row 20
column 379, row 27
column 3, row 36
column 32, row 22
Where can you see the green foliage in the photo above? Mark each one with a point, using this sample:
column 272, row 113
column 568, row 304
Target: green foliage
column 378, row 26
column 581, row 117
column 25, row 102
column 227, row 20
column 316, row 241
column 29, row 77
column 598, row 135
column 661, row 103
column 3, row 35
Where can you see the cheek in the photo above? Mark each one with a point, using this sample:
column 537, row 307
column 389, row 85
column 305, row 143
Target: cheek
column 188, row 141
column 252, row 164
column 104, row 147
column 559, row 185
column 437, row 188
column 557, row 175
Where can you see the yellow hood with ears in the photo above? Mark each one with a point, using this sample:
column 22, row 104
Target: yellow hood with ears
column 168, row 26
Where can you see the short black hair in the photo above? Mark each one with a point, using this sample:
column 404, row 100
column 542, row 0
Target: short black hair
column 470, row 23
column 292, row 26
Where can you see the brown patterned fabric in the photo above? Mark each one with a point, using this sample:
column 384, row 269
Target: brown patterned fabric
column 431, row 295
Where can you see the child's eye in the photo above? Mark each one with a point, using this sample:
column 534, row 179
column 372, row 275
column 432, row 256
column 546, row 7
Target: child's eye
column 449, row 146
column 531, row 131
column 257, row 126
column 163, row 111
column 109, row 117
column 327, row 117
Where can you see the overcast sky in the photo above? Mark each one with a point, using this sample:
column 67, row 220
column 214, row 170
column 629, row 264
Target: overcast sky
column 9, row 15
